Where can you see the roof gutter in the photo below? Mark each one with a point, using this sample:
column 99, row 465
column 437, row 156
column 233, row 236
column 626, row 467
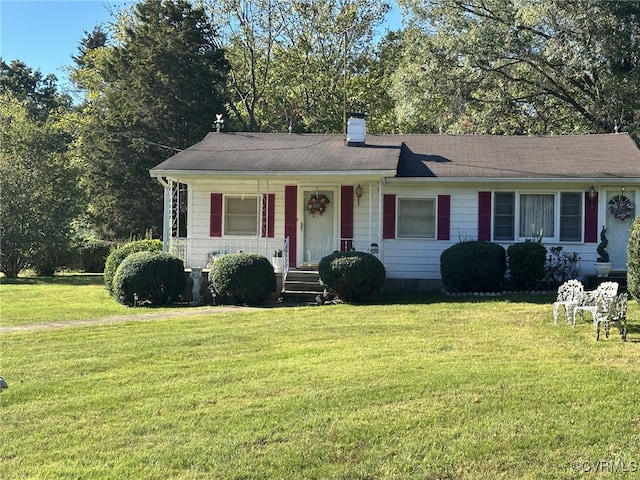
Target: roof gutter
column 271, row 173
column 599, row 180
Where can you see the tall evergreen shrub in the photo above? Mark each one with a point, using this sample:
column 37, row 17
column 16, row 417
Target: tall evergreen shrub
column 527, row 263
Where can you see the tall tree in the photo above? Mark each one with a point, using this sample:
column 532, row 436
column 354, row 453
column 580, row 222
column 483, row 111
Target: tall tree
column 546, row 66
column 38, row 93
column 40, row 195
column 154, row 90
column 323, row 46
column 289, row 59
column 248, row 30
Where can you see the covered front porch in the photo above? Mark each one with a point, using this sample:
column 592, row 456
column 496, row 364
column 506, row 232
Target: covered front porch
column 201, row 252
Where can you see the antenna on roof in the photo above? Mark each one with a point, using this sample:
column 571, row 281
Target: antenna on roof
column 219, row 122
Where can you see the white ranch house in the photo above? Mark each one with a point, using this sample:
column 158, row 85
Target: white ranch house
column 405, row 198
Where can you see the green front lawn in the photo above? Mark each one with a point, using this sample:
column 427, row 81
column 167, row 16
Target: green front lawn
column 430, row 388
column 61, row 298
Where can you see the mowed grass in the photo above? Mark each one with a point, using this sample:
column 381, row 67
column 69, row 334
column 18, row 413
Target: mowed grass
column 429, row 388
column 61, row 298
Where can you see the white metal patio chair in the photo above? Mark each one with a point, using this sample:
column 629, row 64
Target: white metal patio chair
column 569, row 295
column 612, row 313
column 589, row 303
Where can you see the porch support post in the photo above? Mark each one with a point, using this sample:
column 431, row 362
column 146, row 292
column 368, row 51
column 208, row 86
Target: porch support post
column 166, row 222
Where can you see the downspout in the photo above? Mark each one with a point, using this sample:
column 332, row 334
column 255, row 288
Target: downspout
column 380, row 214
column 165, row 217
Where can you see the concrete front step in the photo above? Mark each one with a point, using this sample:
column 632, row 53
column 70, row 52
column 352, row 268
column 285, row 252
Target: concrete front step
column 302, row 286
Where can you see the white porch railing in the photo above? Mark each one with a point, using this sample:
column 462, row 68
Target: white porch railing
column 347, row 244
column 199, row 252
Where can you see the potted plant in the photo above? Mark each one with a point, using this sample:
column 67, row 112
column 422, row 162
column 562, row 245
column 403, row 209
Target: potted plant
column 276, row 261
column 602, row 265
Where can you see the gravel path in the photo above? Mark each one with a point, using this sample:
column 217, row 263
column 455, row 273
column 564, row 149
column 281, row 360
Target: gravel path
column 142, row 317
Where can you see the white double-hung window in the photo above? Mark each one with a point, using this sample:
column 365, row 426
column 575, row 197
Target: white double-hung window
column 241, row 215
column 416, row 218
column 557, row 216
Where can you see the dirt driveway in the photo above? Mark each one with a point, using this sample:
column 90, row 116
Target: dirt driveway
column 142, row 317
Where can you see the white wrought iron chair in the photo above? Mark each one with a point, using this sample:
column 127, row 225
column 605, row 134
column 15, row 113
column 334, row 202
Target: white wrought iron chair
column 606, row 290
column 612, row 313
column 569, row 294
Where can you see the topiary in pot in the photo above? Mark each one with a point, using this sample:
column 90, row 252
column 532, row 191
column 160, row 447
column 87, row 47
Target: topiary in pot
column 527, row 263
column 154, row 277
column 243, row 278
column 116, row 257
column 354, row 277
column 633, row 260
column 473, row 266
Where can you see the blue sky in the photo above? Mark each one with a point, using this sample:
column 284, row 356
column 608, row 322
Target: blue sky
column 45, row 34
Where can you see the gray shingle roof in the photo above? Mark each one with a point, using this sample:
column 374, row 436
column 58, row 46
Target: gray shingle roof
column 445, row 156
column 567, row 156
column 275, row 152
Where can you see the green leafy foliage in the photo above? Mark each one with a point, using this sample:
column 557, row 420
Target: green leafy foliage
column 633, row 260
column 244, row 278
column 473, row 266
column 560, row 267
column 116, row 257
column 151, row 90
column 354, row 277
column 39, row 184
column 156, row 278
column 492, row 66
column 527, row 263
column 92, row 255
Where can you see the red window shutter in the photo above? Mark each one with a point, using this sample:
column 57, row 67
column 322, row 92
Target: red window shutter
column 346, row 218
column 444, row 216
column 590, row 218
column 484, row 216
column 389, row 216
column 268, row 214
column 215, row 216
column 291, row 220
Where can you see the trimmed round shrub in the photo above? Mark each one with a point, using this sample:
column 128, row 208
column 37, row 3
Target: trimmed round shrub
column 633, row 260
column 473, row 266
column 93, row 255
column 354, row 277
column 157, row 278
column 116, row 257
column 527, row 263
column 242, row 278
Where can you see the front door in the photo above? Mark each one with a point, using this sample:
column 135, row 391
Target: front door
column 618, row 232
column 318, row 224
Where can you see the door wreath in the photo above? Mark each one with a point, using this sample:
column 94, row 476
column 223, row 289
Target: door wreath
column 317, row 204
column 621, row 207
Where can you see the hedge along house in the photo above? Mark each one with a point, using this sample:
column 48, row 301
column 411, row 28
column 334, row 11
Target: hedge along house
column 404, row 198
